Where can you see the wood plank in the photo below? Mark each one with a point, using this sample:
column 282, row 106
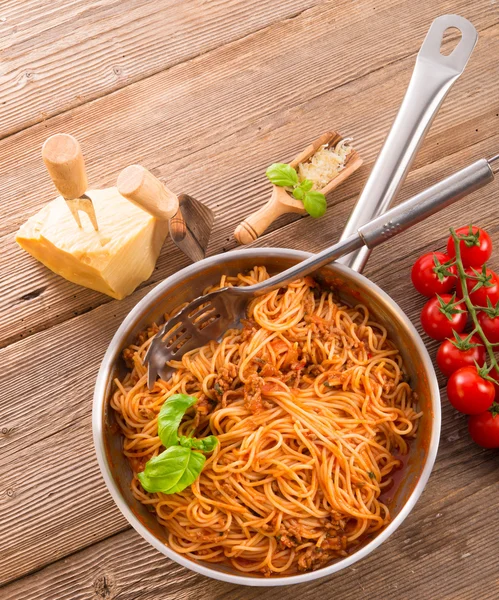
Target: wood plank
column 272, row 106
column 54, row 501
column 436, row 553
column 48, row 67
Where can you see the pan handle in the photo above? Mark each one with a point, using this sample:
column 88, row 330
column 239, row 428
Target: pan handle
column 433, row 76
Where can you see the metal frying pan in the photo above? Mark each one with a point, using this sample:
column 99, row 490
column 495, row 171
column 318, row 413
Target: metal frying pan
column 436, row 74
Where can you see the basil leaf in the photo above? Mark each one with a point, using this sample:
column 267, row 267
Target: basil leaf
column 315, row 204
column 172, row 471
column 306, row 185
column 298, row 193
column 171, row 415
column 206, row 444
column 282, row 175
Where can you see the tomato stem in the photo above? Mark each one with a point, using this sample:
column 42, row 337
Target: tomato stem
column 469, row 304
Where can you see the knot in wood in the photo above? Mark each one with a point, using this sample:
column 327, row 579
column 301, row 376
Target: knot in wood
column 105, row 587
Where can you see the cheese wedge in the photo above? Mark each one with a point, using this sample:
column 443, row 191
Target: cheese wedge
column 113, row 260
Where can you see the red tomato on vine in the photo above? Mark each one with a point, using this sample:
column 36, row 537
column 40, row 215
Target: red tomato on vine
column 430, row 275
column 442, row 315
column 469, row 392
column 475, row 246
column 482, row 286
column 463, row 351
column 484, row 427
column 488, row 318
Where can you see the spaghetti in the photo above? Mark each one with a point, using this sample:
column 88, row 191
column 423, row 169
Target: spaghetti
column 311, row 408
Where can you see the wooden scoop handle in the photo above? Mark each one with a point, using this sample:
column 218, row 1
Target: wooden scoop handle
column 141, row 187
column 280, row 203
column 63, row 158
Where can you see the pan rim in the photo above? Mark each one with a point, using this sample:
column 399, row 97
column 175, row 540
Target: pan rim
column 100, row 399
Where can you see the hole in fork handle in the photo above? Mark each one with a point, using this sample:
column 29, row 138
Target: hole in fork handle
column 451, row 38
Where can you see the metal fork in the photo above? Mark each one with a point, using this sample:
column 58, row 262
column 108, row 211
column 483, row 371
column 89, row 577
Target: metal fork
column 210, row 316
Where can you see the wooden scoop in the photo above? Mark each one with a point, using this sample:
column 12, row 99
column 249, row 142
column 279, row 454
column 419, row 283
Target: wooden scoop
column 189, row 220
column 282, row 202
column 63, row 158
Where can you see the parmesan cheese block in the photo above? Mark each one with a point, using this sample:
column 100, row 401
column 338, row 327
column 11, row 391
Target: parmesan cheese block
column 113, row 260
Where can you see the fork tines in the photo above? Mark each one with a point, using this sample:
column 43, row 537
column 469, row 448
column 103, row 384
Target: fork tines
column 190, row 328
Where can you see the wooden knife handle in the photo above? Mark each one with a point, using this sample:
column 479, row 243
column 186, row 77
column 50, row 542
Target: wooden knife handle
column 63, row 158
column 141, row 187
column 178, row 228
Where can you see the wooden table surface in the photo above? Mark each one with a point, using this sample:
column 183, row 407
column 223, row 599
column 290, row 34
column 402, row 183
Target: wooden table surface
column 208, row 93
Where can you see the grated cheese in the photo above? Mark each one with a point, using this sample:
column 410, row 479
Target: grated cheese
column 325, row 164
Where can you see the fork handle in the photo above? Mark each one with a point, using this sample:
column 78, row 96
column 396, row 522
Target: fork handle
column 385, row 226
column 141, row 187
column 426, row 203
column 63, row 158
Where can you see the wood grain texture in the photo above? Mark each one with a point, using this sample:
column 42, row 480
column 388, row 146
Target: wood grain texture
column 56, row 488
column 436, row 554
column 59, row 55
column 268, row 95
column 209, row 112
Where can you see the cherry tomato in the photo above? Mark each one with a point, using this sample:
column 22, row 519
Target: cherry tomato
column 490, row 326
column 468, row 392
column 435, row 322
column 489, row 290
column 477, row 252
column 450, row 358
column 426, row 280
column 484, row 427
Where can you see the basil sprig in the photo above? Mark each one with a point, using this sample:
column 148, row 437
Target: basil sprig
column 170, row 415
column 284, row 175
column 172, row 471
column 181, row 463
column 206, row 444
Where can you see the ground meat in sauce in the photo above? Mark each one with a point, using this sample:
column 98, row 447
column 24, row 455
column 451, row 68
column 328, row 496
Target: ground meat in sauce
column 293, row 376
column 322, row 328
column 334, row 543
column 314, row 558
column 289, row 536
column 249, row 328
column 225, row 378
column 148, row 333
column 229, row 490
column 329, row 546
column 128, row 354
column 204, row 405
column 253, row 393
column 268, row 370
column 138, row 464
column 291, row 358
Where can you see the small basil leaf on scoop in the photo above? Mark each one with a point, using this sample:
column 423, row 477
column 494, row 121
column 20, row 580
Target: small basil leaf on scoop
column 206, row 444
column 282, row 175
column 298, row 193
column 171, row 415
column 172, row 471
column 315, row 204
column 306, row 185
